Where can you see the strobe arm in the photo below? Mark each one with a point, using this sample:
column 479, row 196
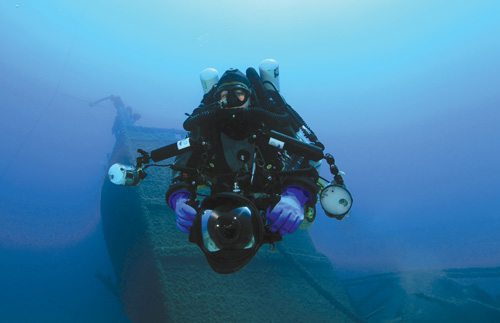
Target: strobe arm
column 292, row 145
column 143, row 160
column 120, row 174
column 172, row 150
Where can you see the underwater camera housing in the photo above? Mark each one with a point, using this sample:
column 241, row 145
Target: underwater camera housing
column 229, row 230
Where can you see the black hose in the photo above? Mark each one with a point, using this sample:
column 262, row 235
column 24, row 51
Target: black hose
column 261, row 93
column 253, row 113
column 309, row 133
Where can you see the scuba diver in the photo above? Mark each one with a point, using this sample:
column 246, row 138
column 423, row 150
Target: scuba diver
column 236, row 163
column 247, row 172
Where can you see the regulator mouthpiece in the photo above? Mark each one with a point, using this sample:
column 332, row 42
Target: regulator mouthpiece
column 120, row 174
column 336, row 201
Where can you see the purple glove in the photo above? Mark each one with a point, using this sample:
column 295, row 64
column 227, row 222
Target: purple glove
column 184, row 214
column 288, row 214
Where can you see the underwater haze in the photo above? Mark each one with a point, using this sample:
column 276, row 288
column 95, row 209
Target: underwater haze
column 404, row 94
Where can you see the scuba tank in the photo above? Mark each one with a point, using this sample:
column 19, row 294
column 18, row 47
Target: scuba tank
column 269, row 71
column 208, row 77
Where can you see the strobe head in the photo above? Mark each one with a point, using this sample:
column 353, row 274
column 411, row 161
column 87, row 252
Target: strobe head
column 120, row 174
column 336, row 201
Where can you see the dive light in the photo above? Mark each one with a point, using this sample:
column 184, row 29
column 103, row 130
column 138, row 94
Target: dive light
column 120, row 174
column 336, row 200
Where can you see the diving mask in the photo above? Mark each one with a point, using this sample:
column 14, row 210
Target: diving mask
column 234, row 97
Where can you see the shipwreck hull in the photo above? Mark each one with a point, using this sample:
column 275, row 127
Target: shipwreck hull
column 164, row 278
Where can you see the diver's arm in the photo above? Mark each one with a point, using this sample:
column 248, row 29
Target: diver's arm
column 181, row 177
column 307, row 181
column 181, row 193
column 301, row 172
column 298, row 184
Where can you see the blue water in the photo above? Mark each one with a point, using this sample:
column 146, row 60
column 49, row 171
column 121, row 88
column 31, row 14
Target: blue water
column 404, row 95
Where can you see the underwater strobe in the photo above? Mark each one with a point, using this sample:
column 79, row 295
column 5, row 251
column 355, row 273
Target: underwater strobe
column 126, row 175
column 335, row 199
column 120, row 174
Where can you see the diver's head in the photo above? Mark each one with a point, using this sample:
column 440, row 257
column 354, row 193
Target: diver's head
column 234, row 88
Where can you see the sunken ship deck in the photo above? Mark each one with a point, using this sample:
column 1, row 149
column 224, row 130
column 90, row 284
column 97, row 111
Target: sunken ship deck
column 164, row 278
column 161, row 277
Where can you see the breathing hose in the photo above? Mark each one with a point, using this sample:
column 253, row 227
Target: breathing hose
column 211, row 112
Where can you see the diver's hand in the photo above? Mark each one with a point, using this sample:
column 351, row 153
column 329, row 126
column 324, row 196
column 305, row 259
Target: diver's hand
column 288, row 214
column 184, row 213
